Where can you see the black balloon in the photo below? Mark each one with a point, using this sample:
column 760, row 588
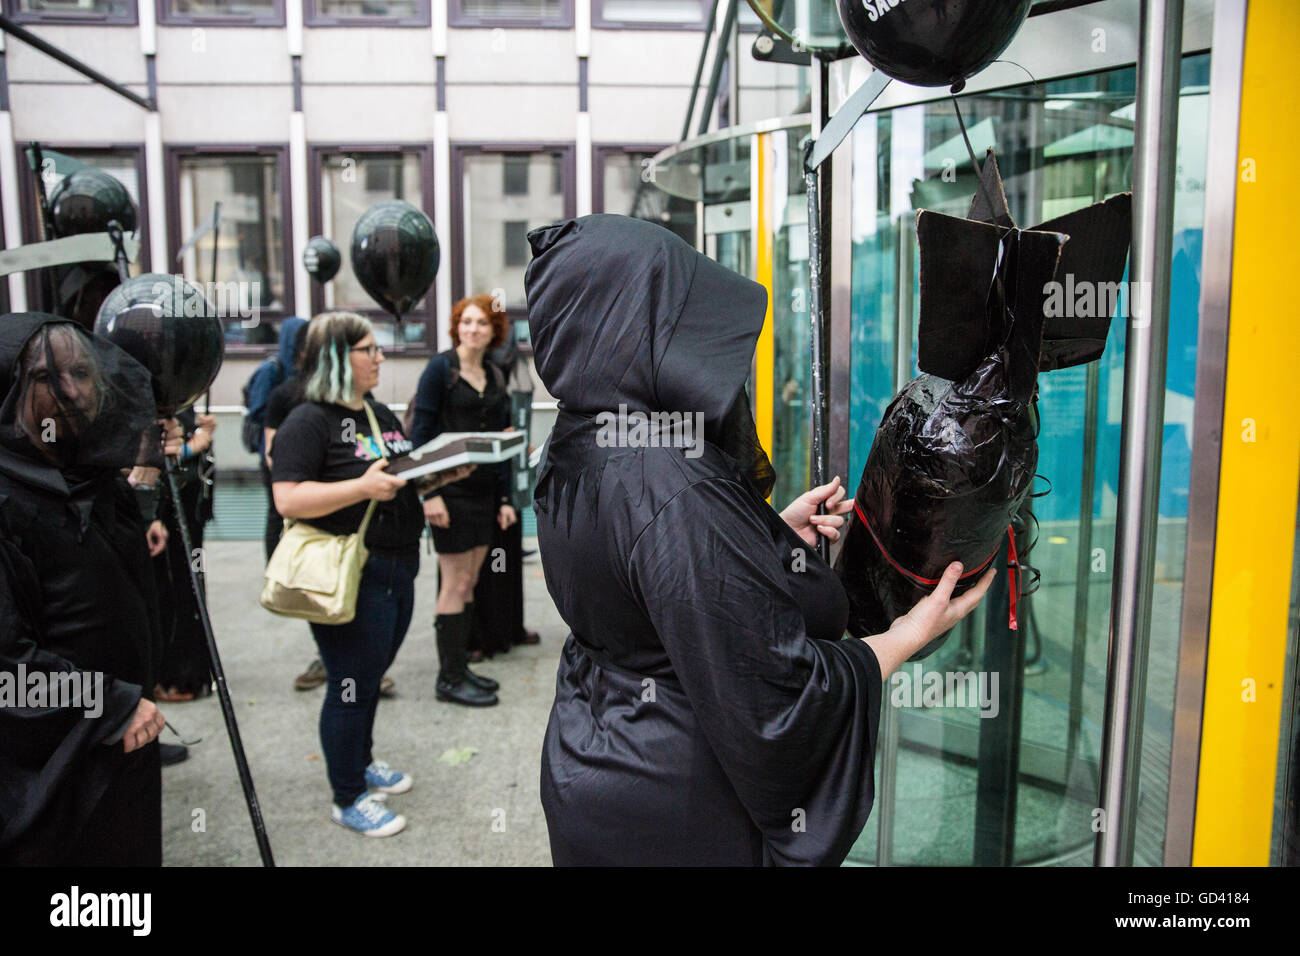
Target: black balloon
column 171, row 328
column 87, row 200
column 395, row 254
column 932, row 42
column 321, row 259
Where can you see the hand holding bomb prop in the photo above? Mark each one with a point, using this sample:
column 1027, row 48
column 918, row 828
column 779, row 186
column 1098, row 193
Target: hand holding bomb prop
column 956, row 452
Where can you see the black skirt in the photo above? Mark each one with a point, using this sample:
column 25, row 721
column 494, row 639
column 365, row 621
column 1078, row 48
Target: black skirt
column 473, row 521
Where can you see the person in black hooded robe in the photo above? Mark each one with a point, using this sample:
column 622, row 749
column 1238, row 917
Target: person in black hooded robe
column 79, row 784
column 707, row 710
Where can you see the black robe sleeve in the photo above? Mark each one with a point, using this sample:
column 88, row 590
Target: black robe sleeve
column 49, row 756
column 791, row 720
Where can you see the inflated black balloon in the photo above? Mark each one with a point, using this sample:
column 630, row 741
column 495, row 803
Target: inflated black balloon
column 321, row 259
column 167, row 325
column 87, row 200
column 932, row 42
column 395, row 254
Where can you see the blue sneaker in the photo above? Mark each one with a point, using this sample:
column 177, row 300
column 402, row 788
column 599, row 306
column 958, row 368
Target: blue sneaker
column 369, row 817
column 384, row 779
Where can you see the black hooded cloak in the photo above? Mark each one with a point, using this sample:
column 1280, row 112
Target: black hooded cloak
column 706, row 711
column 76, row 595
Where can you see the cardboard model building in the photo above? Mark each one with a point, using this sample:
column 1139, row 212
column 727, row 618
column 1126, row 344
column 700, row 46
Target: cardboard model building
column 955, row 455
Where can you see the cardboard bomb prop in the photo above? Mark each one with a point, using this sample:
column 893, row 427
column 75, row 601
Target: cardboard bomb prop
column 955, row 454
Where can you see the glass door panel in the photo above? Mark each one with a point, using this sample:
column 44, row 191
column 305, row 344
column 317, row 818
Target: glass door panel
column 1060, row 145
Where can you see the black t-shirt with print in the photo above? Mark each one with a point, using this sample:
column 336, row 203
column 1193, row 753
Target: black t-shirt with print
column 320, row 442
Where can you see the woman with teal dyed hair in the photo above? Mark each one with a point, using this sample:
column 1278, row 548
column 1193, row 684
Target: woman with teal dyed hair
column 329, row 464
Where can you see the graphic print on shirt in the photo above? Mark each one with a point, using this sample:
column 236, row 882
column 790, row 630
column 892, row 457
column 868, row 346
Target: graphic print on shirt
column 397, row 443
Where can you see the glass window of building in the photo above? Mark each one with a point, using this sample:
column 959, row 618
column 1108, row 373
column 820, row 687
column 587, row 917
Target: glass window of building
column 398, row 12
column 264, row 12
column 501, row 197
column 521, row 13
column 125, row 164
column 115, row 11
column 652, row 13
column 248, row 251
column 1062, row 146
column 625, row 184
column 350, row 181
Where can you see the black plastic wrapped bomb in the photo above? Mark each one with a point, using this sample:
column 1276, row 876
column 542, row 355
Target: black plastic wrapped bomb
column 87, row 200
column 167, row 325
column 395, row 255
column 954, row 457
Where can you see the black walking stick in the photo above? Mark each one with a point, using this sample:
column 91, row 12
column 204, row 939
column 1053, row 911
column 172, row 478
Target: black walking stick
column 219, row 675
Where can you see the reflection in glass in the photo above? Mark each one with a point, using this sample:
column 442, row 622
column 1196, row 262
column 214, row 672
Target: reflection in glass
column 506, row 196
column 1061, row 146
column 378, row 9
column 121, row 164
column 630, row 187
column 75, row 8
column 223, row 8
column 250, row 243
column 350, row 184
column 512, row 9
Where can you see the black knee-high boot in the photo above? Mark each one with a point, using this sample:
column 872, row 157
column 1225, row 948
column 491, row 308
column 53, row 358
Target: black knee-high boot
column 478, row 680
column 453, row 686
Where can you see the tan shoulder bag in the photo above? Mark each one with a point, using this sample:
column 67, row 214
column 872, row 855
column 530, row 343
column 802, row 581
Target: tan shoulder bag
column 314, row 575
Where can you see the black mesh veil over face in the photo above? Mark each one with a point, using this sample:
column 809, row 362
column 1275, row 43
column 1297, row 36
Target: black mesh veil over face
column 71, row 400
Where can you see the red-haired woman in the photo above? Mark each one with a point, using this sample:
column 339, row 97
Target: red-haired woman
column 459, row 392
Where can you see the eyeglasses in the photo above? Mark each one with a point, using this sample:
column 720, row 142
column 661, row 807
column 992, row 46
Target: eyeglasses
column 371, row 350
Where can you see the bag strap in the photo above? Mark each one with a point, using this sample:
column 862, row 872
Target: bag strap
column 379, row 443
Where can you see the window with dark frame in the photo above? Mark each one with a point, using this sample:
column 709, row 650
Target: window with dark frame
column 652, row 14
column 514, row 175
column 510, row 13
column 346, row 182
column 71, row 11
column 498, row 196
column 360, row 12
column 235, row 12
column 624, row 184
column 126, row 164
column 516, row 242
column 253, row 287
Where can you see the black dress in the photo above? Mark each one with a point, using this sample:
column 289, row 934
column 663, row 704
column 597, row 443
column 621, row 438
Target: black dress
column 472, row 502
column 707, row 711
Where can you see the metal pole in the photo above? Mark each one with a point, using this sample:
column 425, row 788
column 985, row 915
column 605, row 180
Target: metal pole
column 699, row 69
column 8, row 26
column 216, row 238
column 889, row 731
column 817, row 385
column 219, row 675
column 720, row 57
column 1155, row 129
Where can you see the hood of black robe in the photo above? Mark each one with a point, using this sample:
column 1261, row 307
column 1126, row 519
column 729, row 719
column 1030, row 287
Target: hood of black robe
column 623, row 312
column 92, row 442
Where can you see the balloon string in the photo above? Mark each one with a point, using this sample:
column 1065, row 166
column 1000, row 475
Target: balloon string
column 970, row 151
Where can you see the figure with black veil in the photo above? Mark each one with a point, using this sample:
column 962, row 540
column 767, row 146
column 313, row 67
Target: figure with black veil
column 79, row 769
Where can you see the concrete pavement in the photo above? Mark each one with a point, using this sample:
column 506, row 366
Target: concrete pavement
column 482, row 812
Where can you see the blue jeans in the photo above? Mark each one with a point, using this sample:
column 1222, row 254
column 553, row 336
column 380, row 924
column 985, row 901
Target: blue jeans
column 355, row 656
